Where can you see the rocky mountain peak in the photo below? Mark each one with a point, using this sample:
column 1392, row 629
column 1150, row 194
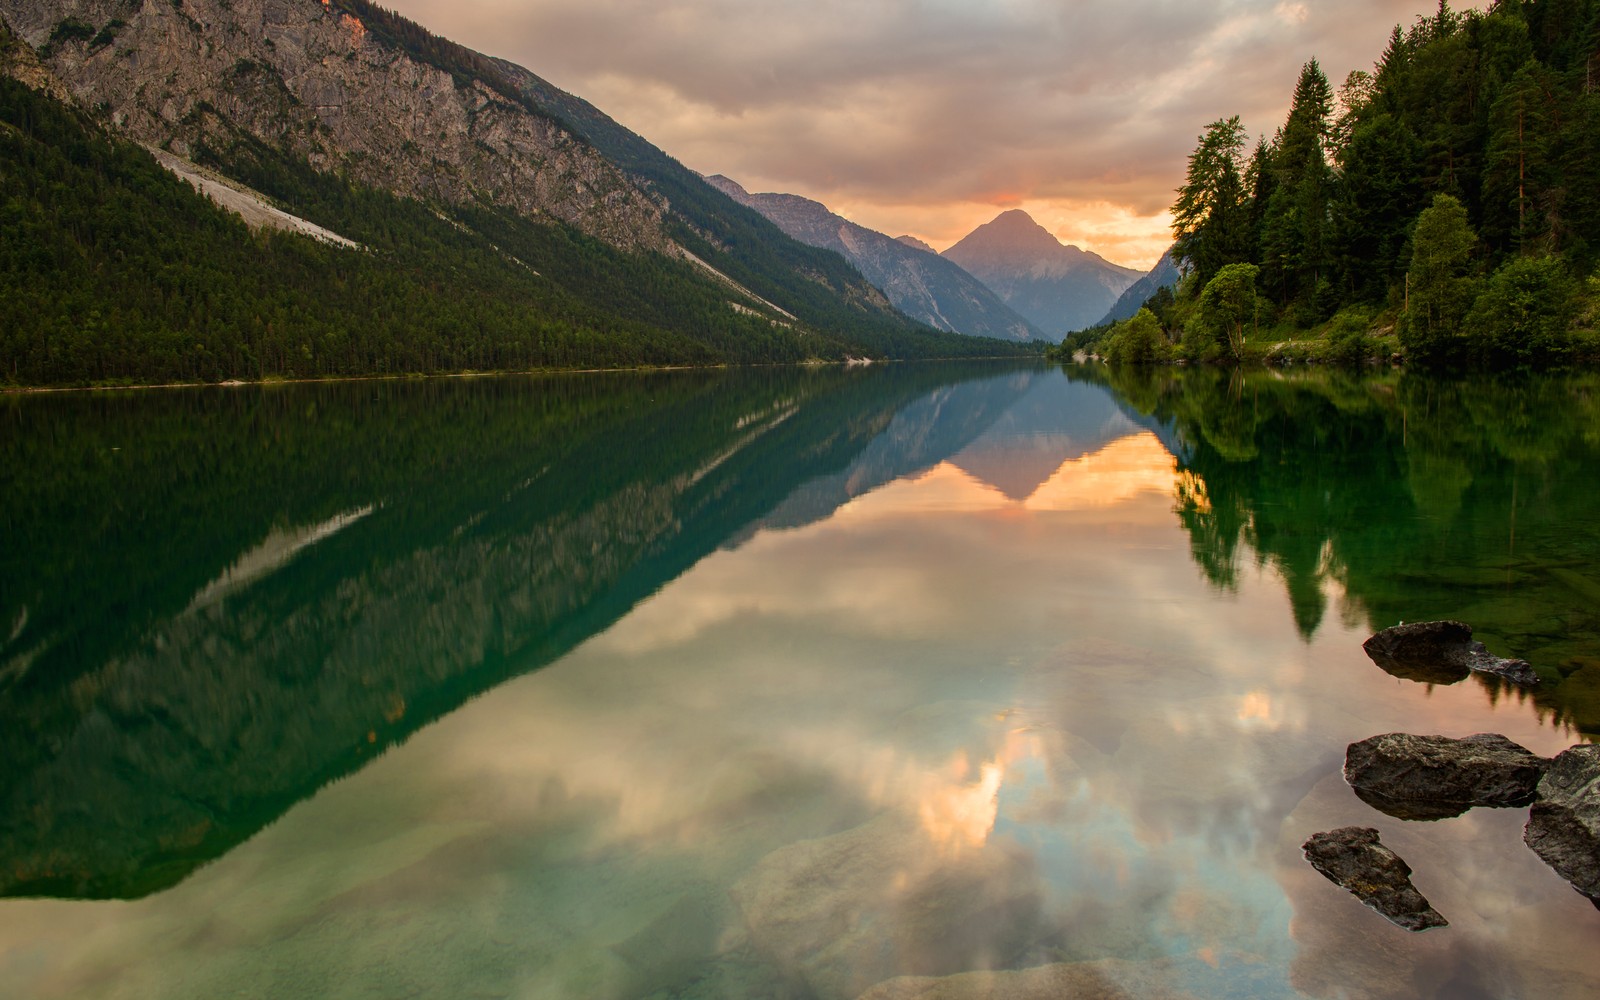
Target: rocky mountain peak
column 728, row 186
column 1058, row 288
column 918, row 281
column 1014, row 233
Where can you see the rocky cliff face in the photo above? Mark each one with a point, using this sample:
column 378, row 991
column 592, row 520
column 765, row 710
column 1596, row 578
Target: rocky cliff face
column 917, row 281
column 1057, row 288
column 340, row 83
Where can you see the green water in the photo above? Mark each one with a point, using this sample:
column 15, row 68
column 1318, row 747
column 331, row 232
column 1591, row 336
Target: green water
column 783, row 684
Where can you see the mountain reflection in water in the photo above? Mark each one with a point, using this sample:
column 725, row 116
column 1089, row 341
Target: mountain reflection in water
column 910, row 682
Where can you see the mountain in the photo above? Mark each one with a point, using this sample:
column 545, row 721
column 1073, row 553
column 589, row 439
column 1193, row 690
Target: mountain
column 1059, row 289
column 495, row 232
column 912, row 241
column 1164, row 275
column 921, row 284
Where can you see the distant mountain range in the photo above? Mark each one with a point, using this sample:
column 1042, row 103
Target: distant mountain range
column 506, row 223
column 1164, row 275
column 1059, row 289
column 917, row 280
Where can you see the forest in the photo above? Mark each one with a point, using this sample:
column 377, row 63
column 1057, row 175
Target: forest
column 1443, row 208
column 114, row 271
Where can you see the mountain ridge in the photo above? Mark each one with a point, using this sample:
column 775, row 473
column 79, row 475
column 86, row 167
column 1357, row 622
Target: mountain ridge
column 919, row 283
column 1057, row 287
column 506, row 231
column 1165, row 274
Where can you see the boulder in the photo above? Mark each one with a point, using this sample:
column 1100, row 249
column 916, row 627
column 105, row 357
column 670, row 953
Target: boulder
column 1352, row 857
column 1564, row 825
column 1441, row 653
column 1434, row 777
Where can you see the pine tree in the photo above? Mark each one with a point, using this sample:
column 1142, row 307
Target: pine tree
column 1210, row 220
column 1294, row 251
column 1517, row 208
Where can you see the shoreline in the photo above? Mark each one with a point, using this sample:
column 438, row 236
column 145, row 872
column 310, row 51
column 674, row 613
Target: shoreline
column 414, row 376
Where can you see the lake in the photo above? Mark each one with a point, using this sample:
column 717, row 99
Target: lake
column 912, row 681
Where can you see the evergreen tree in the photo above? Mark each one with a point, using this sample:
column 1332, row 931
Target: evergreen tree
column 1378, row 193
column 1517, row 186
column 1294, row 250
column 1210, row 219
column 1261, row 181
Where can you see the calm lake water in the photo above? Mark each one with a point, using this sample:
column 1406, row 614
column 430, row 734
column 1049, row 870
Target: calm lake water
column 907, row 682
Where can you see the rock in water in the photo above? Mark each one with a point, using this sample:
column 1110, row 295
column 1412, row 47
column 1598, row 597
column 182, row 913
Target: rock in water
column 1433, row 777
column 1564, row 826
column 1352, row 857
column 1441, row 653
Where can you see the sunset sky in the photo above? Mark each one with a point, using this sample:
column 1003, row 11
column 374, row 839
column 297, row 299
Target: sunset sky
column 929, row 117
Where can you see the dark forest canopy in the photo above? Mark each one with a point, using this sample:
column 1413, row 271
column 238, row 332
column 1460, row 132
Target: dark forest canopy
column 1450, row 196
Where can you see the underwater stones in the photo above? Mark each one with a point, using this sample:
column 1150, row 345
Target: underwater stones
column 1434, row 777
column 1353, row 858
column 1564, row 825
column 845, row 912
column 1102, row 979
column 1441, row 653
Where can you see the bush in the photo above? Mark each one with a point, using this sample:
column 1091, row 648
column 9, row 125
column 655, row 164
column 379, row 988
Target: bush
column 1349, row 343
column 1525, row 313
column 1137, row 341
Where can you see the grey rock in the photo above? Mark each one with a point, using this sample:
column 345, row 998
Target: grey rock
column 1434, row 777
column 1441, row 653
column 1564, row 825
column 1353, row 858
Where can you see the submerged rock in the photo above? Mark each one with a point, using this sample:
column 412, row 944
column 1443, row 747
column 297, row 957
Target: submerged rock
column 1351, row 857
column 1102, row 979
column 841, row 913
column 1434, row 777
column 1564, row 825
column 1441, row 653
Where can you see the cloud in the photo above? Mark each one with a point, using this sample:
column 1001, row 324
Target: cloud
column 931, row 116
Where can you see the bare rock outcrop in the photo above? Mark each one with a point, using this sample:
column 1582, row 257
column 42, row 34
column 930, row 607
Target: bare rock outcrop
column 1434, row 777
column 317, row 80
column 1353, row 858
column 1564, row 825
column 1441, row 652
column 20, row 62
